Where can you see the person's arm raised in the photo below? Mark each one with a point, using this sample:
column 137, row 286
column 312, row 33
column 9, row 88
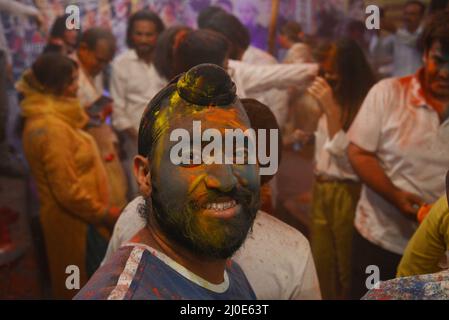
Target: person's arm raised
column 257, row 78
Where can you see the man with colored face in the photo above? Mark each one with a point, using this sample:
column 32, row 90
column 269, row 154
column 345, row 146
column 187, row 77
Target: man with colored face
column 399, row 150
column 134, row 82
column 198, row 213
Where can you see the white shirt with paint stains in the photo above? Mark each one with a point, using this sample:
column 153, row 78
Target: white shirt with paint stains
column 406, row 135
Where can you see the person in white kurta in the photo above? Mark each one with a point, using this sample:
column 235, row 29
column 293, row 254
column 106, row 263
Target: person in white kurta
column 275, row 257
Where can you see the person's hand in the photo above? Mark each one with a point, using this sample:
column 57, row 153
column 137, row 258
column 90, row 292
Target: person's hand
column 323, row 93
column 408, row 203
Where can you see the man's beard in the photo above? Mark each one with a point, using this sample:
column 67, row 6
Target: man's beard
column 144, row 49
column 203, row 235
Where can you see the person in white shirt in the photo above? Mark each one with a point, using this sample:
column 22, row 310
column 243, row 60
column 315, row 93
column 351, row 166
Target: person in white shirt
column 134, row 82
column 407, row 56
column 398, row 148
column 95, row 52
column 347, row 80
column 258, row 82
column 381, row 47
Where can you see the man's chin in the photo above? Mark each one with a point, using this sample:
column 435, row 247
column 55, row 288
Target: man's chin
column 144, row 50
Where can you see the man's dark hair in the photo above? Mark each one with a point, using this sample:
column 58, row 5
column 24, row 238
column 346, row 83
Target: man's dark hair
column 292, row 29
column 232, row 29
column 91, row 37
column 205, row 15
column 261, row 117
column 181, row 48
column 436, row 29
column 198, row 47
column 54, row 71
column 145, row 15
column 421, row 5
column 216, row 89
column 59, row 26
column 163, row 56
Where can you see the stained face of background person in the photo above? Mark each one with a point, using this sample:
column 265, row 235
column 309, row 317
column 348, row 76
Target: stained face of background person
column 94, row 61
column 144, row 37
column 437, row 71
column 413, row 15
column 205, row 208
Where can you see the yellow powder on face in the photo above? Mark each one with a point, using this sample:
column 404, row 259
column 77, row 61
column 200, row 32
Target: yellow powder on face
column 211, row 230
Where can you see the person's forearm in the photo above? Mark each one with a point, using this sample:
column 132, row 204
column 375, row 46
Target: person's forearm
column 333, row 119
column 368, row 168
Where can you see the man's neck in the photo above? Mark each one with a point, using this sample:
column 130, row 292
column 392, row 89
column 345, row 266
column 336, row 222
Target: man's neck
column 147, row 57
column 210, row 270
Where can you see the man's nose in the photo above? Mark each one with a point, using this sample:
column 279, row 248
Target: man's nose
column 221, row 177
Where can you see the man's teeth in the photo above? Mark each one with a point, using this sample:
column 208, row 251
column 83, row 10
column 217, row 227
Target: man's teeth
column 221, row 206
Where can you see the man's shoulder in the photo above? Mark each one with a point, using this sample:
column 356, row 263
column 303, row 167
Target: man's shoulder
column 272, row 233
column 106, row 282
column 125, row 57
column 254, row 55
column 391, row 88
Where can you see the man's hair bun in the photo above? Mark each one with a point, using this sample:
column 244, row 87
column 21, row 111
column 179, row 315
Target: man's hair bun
column 206, row 84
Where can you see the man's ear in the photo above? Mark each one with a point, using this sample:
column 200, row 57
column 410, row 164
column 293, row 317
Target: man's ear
column 142, row 175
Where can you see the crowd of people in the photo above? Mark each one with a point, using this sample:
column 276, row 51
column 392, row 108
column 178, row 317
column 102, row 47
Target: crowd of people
column 96, row 132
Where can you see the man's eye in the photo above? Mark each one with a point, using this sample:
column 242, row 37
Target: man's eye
column 241, row 156
column 191, row 158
